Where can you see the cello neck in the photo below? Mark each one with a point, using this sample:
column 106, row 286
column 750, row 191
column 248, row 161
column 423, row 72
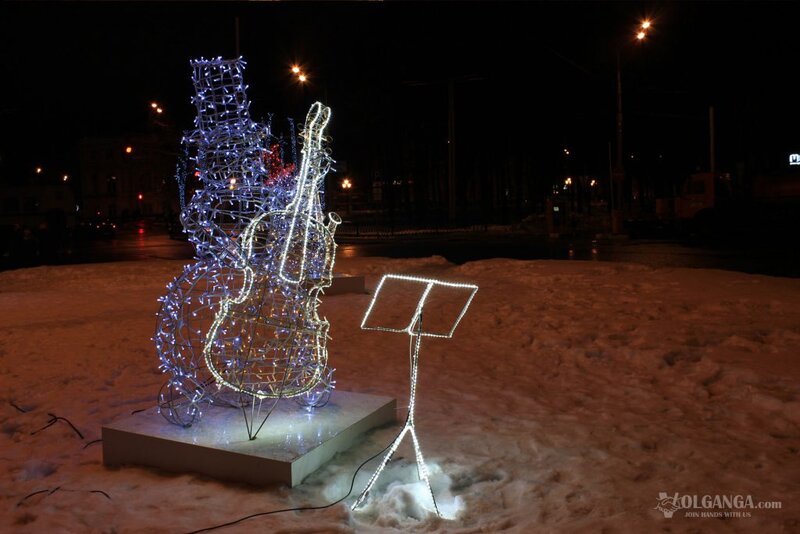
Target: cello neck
column 302, row 207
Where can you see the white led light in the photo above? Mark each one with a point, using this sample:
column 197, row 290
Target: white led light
column 416, row 333
column 314, row 167
column 429, row 284
column 231, row 331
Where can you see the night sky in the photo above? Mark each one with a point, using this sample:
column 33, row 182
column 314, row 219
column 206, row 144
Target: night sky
column 542, row 77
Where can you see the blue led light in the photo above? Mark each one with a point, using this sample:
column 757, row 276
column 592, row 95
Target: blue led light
column 235, row 328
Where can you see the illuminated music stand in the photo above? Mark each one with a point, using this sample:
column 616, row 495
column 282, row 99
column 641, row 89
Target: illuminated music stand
column 416, row 333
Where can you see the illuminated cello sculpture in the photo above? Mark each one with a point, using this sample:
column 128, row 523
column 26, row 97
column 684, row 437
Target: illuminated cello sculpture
column 236, row 188
column 229, row 160
column 268, row 341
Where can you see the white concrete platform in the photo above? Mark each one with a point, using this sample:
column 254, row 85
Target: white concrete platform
column 293, row 443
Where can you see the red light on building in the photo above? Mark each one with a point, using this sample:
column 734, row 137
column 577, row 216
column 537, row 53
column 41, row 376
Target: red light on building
column 140, row 196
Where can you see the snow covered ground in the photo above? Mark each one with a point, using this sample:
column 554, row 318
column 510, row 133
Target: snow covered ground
column 571, row 396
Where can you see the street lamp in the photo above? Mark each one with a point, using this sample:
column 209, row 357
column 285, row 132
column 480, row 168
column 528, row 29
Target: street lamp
column 618, row 174
column 299, row 74
column 451, row 134
column 302, row 77
column 347, row 185
column 643, row 27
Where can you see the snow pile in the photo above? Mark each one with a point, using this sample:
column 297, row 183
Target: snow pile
column 572, row 395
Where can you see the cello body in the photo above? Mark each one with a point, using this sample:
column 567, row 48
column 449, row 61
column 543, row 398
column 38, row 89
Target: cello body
column 268, row 341
column 237, row 190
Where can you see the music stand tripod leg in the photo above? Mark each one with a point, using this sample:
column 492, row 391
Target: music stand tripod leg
column 422, row 470
column 377, row 473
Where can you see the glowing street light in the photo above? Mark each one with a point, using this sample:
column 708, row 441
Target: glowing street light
column 303, row 78
column 346, row 186
column 154, row 105
column 128, row 149
column 38, row 170
column 643, row 27
column 65, row 178
column 618, row 171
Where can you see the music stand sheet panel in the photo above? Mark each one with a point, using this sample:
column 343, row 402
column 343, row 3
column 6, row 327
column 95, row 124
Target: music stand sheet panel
column 399, row 299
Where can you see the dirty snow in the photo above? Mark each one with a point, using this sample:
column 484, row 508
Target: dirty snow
column 571, row 395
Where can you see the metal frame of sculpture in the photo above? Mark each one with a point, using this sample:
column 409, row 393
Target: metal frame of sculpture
column 235, row 241
column 416, row 333
column 273, row 341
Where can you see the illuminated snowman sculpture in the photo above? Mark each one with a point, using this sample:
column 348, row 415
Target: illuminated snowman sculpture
column 214, row 355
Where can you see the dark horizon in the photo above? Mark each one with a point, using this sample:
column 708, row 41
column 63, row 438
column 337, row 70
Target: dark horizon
column 545, row 79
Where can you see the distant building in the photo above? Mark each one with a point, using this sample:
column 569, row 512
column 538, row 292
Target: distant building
column 41, row 199
column 126, row 177
column 37, row 214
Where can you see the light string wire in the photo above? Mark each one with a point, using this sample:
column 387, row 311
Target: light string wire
column 415, row 332
column 298, row 509
column 273, row 346
column 408, row 426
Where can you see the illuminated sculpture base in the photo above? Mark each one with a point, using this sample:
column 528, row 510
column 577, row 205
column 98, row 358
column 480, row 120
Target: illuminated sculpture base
column 293, row 444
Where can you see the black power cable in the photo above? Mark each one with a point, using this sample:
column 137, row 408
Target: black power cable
column 55, row 419
column 59, row 488
column 300, row 509
column 92, row 442
column 19, row 409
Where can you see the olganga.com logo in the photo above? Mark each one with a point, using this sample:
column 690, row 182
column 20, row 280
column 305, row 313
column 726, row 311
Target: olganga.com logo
column 727, row 506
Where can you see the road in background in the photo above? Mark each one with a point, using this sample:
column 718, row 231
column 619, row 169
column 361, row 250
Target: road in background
column 144, row 243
